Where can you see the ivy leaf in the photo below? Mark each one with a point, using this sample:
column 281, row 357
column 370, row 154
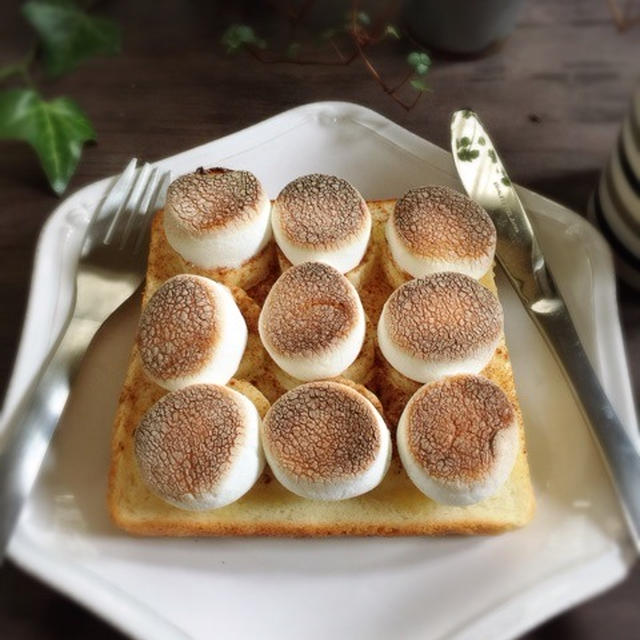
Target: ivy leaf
column 69, row 35
column 420, row 61
column 239, row 35
column 419, row 84
column 392, row 30
column 56, row 129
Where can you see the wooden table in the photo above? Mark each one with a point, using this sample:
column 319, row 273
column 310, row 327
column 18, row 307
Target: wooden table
column 553, row 96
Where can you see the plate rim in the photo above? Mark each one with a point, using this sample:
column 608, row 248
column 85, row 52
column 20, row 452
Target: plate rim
column 87, row 588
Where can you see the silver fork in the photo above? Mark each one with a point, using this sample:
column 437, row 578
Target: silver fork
column 110, row 268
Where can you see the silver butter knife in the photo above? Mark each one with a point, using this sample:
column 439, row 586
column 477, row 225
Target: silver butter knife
column 486, row 181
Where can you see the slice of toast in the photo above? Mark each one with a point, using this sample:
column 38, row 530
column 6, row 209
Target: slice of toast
column 395, row 507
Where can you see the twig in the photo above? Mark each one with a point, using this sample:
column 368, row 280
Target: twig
column 390, row 91
column 382, row 20
column 621, row 17
column 403, row 81
column 617, row 15
column 345, row 59
column 360, row 37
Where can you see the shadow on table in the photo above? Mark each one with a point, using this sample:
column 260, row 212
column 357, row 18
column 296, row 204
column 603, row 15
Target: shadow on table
column 572, row 189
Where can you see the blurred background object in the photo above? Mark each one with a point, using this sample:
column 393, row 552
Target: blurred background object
column 615, row 204
column 460, row 26
column 625, row 13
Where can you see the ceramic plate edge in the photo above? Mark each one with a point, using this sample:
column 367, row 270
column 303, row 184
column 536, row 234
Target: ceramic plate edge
column 20, row 549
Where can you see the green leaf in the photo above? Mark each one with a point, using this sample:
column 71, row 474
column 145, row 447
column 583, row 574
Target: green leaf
column 392, row 30
column 492, row 154
column 505, row 181
column 69, row 35
column 420, row 61
column 482, row 140
column 56, row 129
column 419, row 84
column 238, row 36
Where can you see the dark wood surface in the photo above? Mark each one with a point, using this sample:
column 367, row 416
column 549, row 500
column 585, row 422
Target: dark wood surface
column 553, row 95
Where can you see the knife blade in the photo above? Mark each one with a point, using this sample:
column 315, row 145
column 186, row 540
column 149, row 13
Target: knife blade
column 485, row 180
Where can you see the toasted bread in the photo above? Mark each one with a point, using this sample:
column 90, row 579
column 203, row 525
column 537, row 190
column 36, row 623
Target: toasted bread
column 395, row 507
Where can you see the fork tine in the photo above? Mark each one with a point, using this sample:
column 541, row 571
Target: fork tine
column 149, row 192
column 141, row 187
column 137, row 218
column 114, row 193
column 118, row 217
column 117, row 191
column 151, row 207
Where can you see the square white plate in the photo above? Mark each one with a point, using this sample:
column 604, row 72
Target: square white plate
column 477, row 587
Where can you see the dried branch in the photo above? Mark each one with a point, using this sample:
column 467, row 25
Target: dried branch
column 358, row 35
column 390, row 91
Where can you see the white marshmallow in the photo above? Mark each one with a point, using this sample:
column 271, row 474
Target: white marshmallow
column 433, row 440
column 435, row 228
column 191, row 331
column 325, row 441
column 440, row 325
column 318, row 218
column 217, row 220
column 199, row 448
column 312, row 323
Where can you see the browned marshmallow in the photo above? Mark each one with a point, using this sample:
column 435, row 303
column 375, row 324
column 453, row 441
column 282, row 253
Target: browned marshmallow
column 458, row 439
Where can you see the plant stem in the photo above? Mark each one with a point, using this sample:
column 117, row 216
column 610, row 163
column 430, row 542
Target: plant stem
column 20, row 68
column 390, row 91
column 361, row 39
column 382, row 20
column 344, row 59
column 403, row 81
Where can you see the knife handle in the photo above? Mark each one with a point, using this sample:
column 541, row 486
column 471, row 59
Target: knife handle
column 620, row 452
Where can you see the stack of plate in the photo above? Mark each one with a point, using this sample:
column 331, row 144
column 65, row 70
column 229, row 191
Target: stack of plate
column 615, row 204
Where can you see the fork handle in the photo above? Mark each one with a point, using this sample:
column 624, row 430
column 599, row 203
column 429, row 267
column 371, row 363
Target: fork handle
column 26, row 433
column 620, row 452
